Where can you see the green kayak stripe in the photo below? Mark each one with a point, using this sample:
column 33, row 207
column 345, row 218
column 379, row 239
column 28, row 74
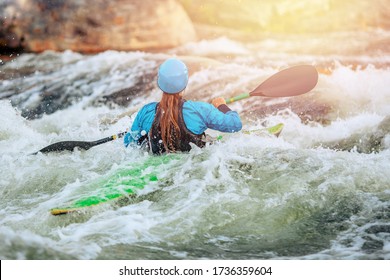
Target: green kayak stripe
column 123, row 182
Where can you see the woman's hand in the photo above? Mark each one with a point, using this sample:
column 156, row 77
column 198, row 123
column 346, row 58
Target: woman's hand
column 218, row 101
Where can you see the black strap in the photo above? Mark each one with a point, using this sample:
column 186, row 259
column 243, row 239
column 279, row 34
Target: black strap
column 224, row 108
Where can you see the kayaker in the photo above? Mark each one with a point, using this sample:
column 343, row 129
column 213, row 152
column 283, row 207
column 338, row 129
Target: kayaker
column 173, row 123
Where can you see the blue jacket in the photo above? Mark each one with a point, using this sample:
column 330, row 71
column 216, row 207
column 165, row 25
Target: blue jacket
column 198, row 116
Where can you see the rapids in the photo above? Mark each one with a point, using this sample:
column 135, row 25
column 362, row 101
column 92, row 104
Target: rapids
column 321, row 190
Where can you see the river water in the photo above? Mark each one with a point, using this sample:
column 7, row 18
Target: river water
column 321, row 190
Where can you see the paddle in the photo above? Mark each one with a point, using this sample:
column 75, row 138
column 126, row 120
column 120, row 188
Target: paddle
column 288, row 82
column 70, row 145
column 292, row 81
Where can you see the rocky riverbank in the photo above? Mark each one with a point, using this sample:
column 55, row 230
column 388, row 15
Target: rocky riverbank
column 88, row 26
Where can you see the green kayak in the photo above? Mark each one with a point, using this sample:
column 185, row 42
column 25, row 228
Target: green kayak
column 125, row 182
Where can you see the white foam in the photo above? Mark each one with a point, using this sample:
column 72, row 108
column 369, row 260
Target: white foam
column 255, row 186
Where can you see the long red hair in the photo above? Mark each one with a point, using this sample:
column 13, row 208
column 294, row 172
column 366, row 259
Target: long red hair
column 168, row 112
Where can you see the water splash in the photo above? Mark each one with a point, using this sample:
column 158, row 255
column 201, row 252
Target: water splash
column 319, row 191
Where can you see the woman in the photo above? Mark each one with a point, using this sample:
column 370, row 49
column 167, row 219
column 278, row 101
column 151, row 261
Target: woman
column 173, row 123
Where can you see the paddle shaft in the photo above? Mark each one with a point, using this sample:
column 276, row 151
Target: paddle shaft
column 110, row 138
column 237, row 98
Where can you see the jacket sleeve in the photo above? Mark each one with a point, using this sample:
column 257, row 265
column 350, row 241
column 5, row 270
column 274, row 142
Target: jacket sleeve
column 141, row 125
column 222, row 120
column 229, row 122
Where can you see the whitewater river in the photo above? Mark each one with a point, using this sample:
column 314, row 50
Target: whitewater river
column 321, row 190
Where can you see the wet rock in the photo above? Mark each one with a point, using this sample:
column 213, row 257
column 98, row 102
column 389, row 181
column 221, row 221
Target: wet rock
column 93, row 26
column 144, row 83
column 375, row 229
column 307, row 108
column 372, row 245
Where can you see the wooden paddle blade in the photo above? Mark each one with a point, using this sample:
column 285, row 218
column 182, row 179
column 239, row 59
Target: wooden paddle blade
column 67, row 146
column 288, row 82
